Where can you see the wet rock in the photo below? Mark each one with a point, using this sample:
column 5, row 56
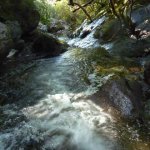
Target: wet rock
column 84, row 33
column 126, row 96
column 122, row 95
column 147, row 73
column 141, row 14
column 77, row 32
column 47, row 44
column 22, row 11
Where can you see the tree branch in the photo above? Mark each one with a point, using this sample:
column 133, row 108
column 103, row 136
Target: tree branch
column 86, row 4
column 84, row 11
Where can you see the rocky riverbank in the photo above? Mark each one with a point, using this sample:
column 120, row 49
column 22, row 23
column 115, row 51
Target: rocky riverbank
column 102, row 78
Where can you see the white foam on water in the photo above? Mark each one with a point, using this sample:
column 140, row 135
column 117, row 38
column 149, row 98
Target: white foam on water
column 55, row 118
column 89, row 41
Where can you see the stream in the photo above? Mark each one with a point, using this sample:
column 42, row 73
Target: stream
column 50, row 109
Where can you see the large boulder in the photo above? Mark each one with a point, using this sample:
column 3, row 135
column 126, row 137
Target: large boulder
column 6, row 41
column 22, row 11
column 15, row 30
column 128, row 47
column 124, row 97
column 47, row 44
column 140, row 15
column 109, row 30
column 10, row 35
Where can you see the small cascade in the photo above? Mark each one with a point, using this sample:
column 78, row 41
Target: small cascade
column 85, row 37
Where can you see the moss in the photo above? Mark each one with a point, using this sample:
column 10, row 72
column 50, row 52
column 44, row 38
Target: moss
column 103, row 63
column 22, row 11
column 109, row 30
column 127, row 47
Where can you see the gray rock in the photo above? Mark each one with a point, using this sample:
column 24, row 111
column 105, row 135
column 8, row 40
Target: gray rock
column 126, row 96
column 141, row 14
column 6, row 41
column 4, row 32
column 15, row 30
column 123, row 96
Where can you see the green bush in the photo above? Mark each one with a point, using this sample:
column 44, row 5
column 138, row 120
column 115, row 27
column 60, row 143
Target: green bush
column 46, row 11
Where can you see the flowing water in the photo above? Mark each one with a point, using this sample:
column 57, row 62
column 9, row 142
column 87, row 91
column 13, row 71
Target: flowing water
column 50, row 107
column 54, row 113
column 51, row 111
column 89, row 41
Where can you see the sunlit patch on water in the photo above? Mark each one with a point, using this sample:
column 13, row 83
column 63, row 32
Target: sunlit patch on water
column 54, row 111
column 62, row 119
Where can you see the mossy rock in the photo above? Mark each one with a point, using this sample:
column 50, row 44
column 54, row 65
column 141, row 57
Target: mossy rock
column 22, row 11
column 101, row 62
column 109, row 30
column 127, row 47
column 48, row 44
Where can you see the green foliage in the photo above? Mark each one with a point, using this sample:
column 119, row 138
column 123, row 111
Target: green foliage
column 8, row 8
column 46, row 11
column 64, row 11
column 61, row 10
